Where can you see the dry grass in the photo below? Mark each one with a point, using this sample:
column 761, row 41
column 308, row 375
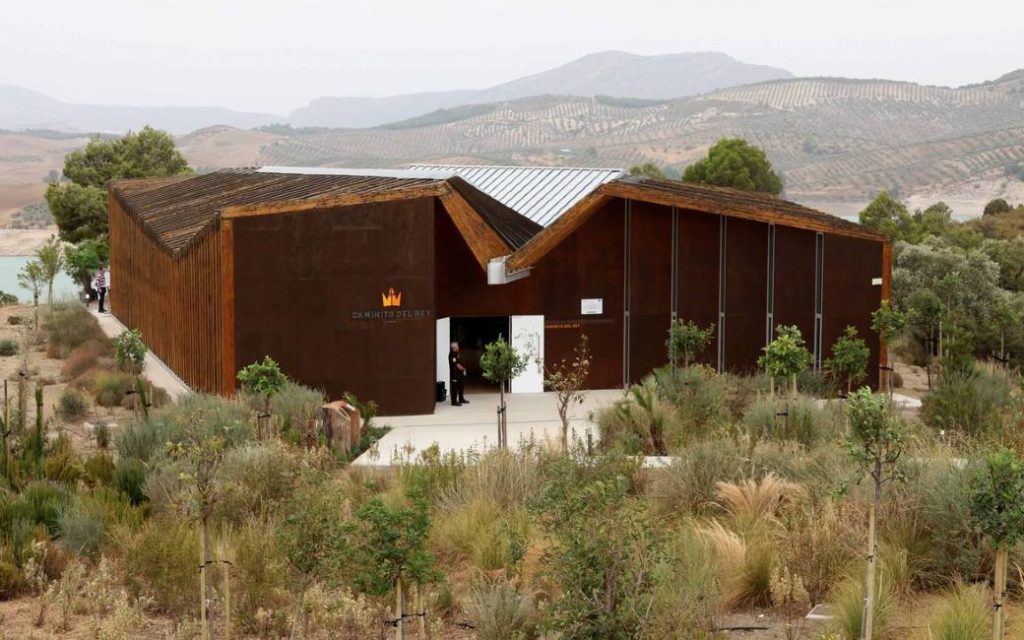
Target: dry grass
column 751, row 504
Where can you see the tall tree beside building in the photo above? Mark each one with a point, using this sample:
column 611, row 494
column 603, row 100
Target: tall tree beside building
column 734, row 162
column 80, row 204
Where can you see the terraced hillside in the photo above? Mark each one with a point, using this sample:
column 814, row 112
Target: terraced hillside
column 834, row 139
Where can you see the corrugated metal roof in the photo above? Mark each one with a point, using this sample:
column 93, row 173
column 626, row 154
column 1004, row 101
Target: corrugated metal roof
column 542, row 194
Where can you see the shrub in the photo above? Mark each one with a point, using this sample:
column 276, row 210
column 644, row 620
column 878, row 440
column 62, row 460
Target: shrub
column 87, row 520
column 700, row 398
column 112, row 388
column 504, row 478
column 969, row 402
column 102, row 434
column 130, row 351
column 962, row 614
column 71, row 405
column 848, row 608
column 67, row 326
column 84, row 357
column 12, row 580
column 297, row 408
column 63, row 466
column 162, row 555
column 499, row 611
column 40, row 502
column 261, row 572
column 802, row 420
column 254, row 480
column 15, row 319
column 8, row 348
column 480, row 534
column 130, row 479
column 687, row 486
column 640, row 422
column 686, row 596
column 99, row 469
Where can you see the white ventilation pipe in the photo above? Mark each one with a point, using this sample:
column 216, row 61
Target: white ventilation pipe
column 496, row 273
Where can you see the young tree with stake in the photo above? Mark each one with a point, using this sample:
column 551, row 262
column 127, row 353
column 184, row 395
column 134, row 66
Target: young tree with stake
column 997, row 509
column 785, row 357
column 887, row 322
column 849, row 361
column 130, row 354
column 263, row 379
column 500, row 363
column 51, row 258
column 687, row 340
column 878, row 440
column 204, row 440
column 31, row 277
column 566, row 379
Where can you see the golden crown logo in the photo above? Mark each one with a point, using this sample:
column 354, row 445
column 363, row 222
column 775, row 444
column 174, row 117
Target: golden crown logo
column 391, row 299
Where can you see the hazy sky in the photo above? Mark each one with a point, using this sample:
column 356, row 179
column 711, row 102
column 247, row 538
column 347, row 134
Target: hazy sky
column 276, row 55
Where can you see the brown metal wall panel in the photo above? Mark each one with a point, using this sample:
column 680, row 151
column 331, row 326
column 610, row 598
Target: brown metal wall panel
column 746, row 295
column 698, row 273
column 301, row 282
column 650, row 288
column 174, row 302
column 849, row 296
column 587, row 264
column 461, row 287
column 794, row 280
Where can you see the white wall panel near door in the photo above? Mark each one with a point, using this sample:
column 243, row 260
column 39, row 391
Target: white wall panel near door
column 444, row 341
column 528, row 339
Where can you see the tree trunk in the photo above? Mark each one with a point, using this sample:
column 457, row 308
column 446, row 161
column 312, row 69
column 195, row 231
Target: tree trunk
column 771, row 385
column 399, row 611
column 204, row 567
column 999, row 594
column 868, row 623
column 502, row 425
column 421, row 611
column 227, row 601
column 793, row 383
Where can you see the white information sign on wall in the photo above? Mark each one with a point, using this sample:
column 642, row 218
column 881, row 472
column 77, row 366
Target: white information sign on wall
column 591, row 306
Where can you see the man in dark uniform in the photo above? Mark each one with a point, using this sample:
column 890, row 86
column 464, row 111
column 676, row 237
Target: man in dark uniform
column 457, row 373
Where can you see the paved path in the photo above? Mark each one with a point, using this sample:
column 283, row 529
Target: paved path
column 154, row 369
column 473, row 427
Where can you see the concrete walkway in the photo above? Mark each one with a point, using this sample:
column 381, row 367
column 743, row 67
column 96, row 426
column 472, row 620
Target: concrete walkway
column 153, row 368
column 532, row 417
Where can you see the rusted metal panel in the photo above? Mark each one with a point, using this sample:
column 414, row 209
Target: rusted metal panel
column 746, row 282
column 698, row 274
column 849, row 296
column 794, row 280
column 650, row 308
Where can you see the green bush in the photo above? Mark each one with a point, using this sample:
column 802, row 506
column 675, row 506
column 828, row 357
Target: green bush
column 963, row 614
column 687, row 486
column 112, row 388
column 12, row 580
column 254, row 480
column 700, row 398
column 686, row 598
column 102, row 434
column 971, row 403
column 63, row 466
column 261, row 572
column 67, row 326
column 71, row 404
column 99, row 469
column 799, row 419
column 499, row 611
column 40, row 502
column 86, row 521
column 162, row 557
column 642, row 423
column 130, row 479
column 8, row 348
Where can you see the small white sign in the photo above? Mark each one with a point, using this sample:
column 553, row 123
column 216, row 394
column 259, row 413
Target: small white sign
column 876, row 282
column 591, row 306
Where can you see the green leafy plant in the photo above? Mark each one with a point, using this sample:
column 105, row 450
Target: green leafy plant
column 32, row 278
column 501, row 363
column 566, row 379
column 878, row 440
column 8, row 348
column 997, row 510
column 849, row 361
column 734, row 162
column 51, row 259
column 71, row 405
column 263, row 379
column 785, row 356
column 687, row 340
column 130, row 351
column 888, row 322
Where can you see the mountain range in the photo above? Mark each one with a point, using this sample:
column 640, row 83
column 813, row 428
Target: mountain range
column 836, row 141
column 613, row 73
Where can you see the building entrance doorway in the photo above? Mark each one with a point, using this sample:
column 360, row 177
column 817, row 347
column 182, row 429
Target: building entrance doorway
column 473, row 334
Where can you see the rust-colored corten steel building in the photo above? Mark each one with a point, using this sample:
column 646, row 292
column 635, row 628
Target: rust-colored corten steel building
column 356, row 280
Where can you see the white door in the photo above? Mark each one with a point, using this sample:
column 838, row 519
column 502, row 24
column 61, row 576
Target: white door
column 444, row 341
column 528, row 339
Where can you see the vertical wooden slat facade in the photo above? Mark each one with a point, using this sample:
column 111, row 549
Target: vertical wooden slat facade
column 174, row 301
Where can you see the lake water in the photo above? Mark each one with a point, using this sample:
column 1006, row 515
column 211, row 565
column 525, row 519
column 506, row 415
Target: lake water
column 63, row 286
